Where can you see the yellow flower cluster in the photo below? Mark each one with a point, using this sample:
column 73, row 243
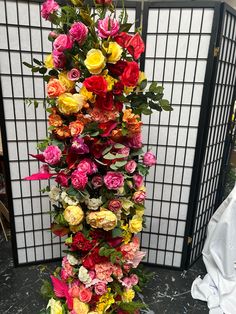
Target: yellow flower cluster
column 128, row 295
column 104, row 219
column 95, row 60
column 70, row 103
column 73, row 215
column 105, row 302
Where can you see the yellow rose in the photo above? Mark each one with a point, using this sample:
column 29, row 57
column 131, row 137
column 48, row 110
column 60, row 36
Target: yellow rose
column 114, row 52
column 95, row 61
column 68, row 84
column 70, row 103
column 80, row 307
column 87, row 95
column 142, row 77
column 55, row 306
column 139, row 211
column 73, row 215
column 110, row 81
column 48, row 62
column 126, row 205
column 104, row 219
column 128, row 295
column 135, row 224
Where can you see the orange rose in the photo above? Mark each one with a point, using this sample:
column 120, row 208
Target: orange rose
column 55, row 120
column 76, row 128
column 83, row 118
column 55, row 88
column 62, row 132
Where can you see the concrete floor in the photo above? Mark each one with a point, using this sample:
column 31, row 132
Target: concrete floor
column 167, row 292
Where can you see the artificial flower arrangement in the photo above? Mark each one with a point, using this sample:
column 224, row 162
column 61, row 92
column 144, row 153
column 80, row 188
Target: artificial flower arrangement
column 96, row 95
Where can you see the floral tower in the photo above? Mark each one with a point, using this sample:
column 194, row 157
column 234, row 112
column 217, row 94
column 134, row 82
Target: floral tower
column 96, row 94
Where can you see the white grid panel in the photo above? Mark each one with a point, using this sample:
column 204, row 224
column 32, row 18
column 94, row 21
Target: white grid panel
column 220, row 114
column 23, row 37
column 177, row 48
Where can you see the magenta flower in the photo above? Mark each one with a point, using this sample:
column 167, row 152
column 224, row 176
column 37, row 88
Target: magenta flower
column 97, row 181
column 138, row 180
column 52, row 155
column 108, row 27
column 79, row 32
column 78, row 146
column 130, row 166
column 62, row 42
column 149, row 159
column 48, row 8
column 114, row 180
column 135, row 141
column 88, row 166
column 62, row 179
column 79, row 179
column 73, row 74
column 59, row 59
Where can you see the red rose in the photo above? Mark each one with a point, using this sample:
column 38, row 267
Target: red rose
column 118, row 68
column 81, row 243
column 135, row 46
column 107, row 128
column 122, row 39
column 96, row 84
column 119, row 105
column 104, row 2
column 130, row 75
column 93, row 258
column 118, row 88
column 105, row 103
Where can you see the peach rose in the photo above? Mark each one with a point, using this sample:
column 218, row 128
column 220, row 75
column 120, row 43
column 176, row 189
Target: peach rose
column 55, row 88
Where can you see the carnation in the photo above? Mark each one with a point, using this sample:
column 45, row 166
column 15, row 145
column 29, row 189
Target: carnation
column 52, row 155
column 114, row 180
column 48, row 8
column 79, row 179
column 149, row 159
column 79, row 32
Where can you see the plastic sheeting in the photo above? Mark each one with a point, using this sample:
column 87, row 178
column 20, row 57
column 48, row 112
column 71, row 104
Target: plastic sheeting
column 218, row 287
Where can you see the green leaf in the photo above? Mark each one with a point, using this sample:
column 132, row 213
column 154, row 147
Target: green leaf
column 131, row 306
column 142, row 169
column 126, row 27
column 120, row 164
column 119, row 146
column 42, row 70
column 106, row 150
column 143, row 84
column 37, row 61
column 28, row 65
column 165, row 105
column 46, row 290
column 117, row 232
column 53, row 72
column 35, row 69
column 153, row 87
column 36, row 104
column 136, row 152
column 155, row 106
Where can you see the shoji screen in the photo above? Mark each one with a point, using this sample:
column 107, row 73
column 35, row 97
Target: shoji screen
column 224, row 96
column 23, row 36
column 177, row 47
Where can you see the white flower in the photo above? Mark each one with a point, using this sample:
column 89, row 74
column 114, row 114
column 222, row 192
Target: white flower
column 54, row 194
column 84, row 276
column 72, row 260
column 68, row 200
column 93, row 203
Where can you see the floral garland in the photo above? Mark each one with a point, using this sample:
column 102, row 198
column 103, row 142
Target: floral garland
column 96, row 94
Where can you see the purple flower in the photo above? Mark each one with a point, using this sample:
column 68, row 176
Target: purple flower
column 78, row 146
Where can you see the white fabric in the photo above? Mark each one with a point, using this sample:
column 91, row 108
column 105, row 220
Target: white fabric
column 218, row 287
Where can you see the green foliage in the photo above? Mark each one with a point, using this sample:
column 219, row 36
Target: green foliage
column 130, row 307
column 115, row 257
column 46, row 289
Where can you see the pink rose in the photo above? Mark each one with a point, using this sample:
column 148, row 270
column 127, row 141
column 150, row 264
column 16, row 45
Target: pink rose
column 134, row 279
column 59, row 59
column 62, row 179
column 114, row 205
column 79, row 32
column 130, row 166
column 48, row 8
column 73, row 74
column 88, row 166
column 139, row 197
column 135, row 141
column 138, row 180
column 108, row 27
column 100, row 288
column 52, row 155
column 74, row 291
column 114, row 180
column 124, row 151
column 85, row 295
column 62, row 42
column 149, row 159
column 79, row 179
column 97, row 181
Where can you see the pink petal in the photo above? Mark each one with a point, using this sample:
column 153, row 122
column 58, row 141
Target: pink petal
column 39, row 176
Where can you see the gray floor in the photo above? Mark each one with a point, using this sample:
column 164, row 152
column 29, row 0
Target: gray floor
column 167, row 292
